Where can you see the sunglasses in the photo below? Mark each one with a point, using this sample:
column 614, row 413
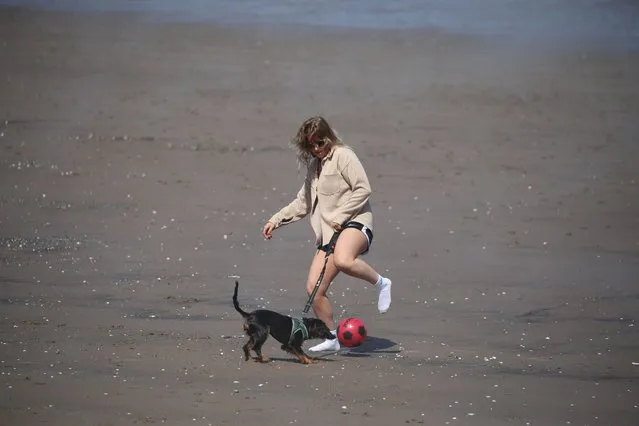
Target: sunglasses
column 317, row 144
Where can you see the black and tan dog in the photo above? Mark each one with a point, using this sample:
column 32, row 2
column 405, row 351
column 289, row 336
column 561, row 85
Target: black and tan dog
column 290, row 332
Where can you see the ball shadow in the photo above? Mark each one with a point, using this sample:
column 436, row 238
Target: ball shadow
column 372, row 346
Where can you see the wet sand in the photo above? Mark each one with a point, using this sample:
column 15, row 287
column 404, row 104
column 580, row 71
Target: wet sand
column 138, row 162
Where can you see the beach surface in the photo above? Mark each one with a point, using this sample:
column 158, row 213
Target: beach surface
column 139, row 161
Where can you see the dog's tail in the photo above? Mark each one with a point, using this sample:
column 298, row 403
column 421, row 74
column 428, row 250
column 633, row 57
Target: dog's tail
column 236, row 304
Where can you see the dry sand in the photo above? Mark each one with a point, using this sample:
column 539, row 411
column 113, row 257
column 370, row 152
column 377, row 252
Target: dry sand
column 138, row 162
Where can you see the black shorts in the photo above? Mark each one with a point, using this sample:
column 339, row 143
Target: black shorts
column 328, row 248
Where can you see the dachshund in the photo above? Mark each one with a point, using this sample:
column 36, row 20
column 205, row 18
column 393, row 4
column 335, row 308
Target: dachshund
column 289, row 331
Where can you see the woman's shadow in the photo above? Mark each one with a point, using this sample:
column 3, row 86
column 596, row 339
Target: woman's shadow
column 371, row 346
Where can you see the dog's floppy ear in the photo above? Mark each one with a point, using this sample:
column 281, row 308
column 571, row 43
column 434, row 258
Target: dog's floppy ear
column 326, row 334
column 317, row 327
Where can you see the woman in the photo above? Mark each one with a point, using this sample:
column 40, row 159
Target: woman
column 336, row 194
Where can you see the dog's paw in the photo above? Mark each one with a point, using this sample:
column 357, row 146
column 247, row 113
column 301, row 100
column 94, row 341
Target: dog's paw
column 307, row 360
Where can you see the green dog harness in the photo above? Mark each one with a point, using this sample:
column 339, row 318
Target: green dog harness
column 298, row 325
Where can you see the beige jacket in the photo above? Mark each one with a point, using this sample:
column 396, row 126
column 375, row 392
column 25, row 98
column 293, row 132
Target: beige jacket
column 340, row 193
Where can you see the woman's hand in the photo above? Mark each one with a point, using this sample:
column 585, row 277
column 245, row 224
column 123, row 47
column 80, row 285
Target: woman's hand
column 267, row 231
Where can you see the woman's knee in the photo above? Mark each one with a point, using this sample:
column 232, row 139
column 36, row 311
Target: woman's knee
column 349, row 246
column 343, row 262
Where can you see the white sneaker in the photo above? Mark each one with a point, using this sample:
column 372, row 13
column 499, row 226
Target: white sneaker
column 326, row 345
column 384, row 295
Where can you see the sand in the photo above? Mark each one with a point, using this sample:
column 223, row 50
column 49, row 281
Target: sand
column 138, row 162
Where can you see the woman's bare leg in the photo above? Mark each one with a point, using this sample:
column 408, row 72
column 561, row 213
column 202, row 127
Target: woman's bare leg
column 350, row 244
column 321, row 305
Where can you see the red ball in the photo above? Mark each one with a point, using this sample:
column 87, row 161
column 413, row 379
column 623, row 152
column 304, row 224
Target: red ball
column 351, row 332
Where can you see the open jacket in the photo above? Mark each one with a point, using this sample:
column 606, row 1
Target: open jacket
column 338, row 194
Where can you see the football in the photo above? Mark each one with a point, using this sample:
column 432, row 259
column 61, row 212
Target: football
column 351, row 332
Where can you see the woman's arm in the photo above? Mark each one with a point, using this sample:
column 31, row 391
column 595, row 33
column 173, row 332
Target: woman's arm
column 295, row 210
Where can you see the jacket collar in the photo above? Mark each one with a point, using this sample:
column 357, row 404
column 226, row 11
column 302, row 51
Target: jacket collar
column 317, row 162
column 330, row 154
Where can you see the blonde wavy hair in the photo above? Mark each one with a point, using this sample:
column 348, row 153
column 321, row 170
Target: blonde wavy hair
column 316, row 128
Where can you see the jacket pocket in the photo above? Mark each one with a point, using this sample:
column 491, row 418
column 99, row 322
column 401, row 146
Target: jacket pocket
column 329, row 184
